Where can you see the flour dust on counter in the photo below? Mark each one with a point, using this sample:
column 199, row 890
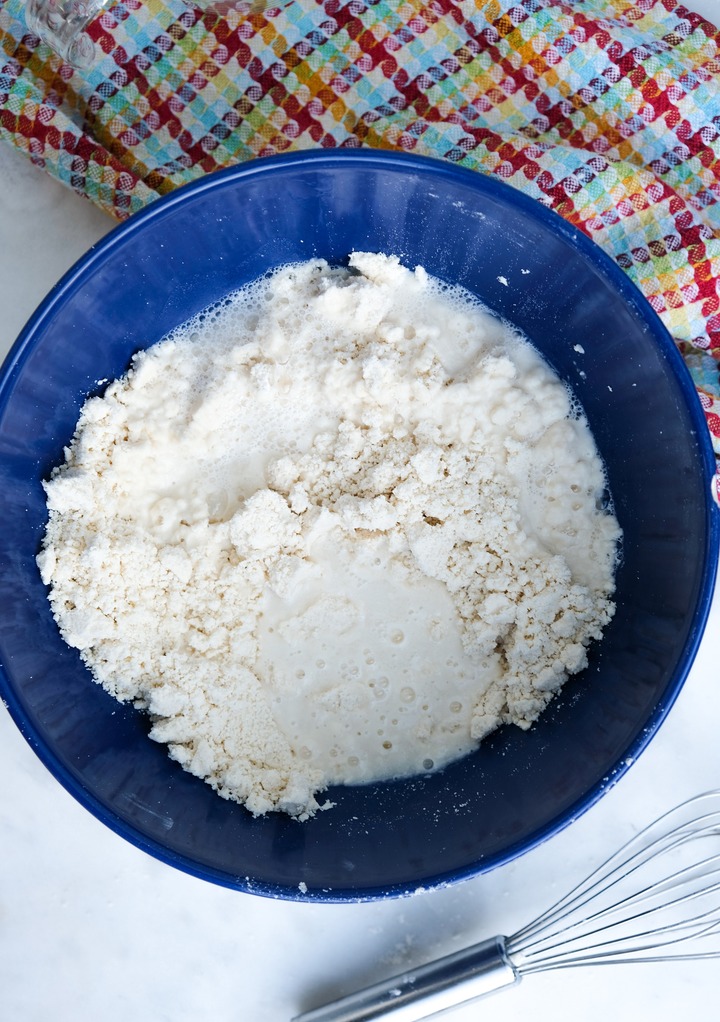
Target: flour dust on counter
column 334, row 530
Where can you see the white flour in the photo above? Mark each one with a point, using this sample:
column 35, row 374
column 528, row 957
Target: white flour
column 336, row 530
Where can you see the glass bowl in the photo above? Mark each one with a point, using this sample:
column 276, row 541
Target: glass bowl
column 190, row 249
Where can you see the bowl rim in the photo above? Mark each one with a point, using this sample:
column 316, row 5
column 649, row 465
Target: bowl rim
column 392, row 162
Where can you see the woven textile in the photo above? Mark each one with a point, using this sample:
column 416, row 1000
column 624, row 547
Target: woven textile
column 605, row 110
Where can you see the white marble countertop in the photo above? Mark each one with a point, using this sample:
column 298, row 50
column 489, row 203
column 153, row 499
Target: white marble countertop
column 92, row 929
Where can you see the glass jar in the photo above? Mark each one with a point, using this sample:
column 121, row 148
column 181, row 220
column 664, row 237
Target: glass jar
column 62, row 24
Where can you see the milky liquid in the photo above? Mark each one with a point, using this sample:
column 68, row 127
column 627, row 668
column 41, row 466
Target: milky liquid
column 366, row 667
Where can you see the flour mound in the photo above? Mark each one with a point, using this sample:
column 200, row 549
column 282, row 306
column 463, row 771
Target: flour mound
column 337, row 529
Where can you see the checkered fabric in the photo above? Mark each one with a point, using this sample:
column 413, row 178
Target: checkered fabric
column 608, row 111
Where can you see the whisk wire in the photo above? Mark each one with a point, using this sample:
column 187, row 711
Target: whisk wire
column 650, row 896
column 613, row 950
column 619, row 869
column 598, row 920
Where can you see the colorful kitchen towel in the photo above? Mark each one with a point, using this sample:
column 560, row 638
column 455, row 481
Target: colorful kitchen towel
column 608, row 111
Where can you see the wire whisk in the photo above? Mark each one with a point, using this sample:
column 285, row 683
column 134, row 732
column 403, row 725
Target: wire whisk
column 657, row 899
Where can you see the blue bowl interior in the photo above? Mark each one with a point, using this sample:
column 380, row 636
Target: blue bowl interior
column 527, row 265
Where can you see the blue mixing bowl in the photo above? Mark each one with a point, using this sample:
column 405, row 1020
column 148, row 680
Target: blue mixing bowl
column 187, row 251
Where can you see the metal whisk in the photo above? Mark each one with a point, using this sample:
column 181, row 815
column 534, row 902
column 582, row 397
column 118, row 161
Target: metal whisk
column 656, row 899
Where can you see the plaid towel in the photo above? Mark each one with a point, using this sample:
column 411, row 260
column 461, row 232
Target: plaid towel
column 608, row 111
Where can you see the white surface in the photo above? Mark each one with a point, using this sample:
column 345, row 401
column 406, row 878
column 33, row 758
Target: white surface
column 92, row 929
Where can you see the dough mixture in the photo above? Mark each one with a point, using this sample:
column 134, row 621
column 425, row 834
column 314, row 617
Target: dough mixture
column 336, row 529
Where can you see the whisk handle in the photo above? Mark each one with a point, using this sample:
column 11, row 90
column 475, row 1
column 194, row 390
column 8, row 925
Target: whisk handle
column 418, row 993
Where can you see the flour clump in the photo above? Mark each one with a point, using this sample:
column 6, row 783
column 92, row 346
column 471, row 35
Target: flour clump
column 334, row 530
